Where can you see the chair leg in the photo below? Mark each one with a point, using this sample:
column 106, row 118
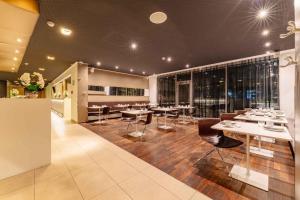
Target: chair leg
column 220, row 154
column 207, row 154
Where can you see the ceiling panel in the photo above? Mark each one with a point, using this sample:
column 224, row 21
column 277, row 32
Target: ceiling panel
column 197, row 32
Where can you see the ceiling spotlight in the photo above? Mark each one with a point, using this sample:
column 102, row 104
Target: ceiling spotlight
column 265, row 32
column 17, row 51
column 50, row 23
column 117, row 67
column 131, row 70
column 158, row 17
column 13, row 68
column 133, row 46
column 163, row 58
column 19, row 40
column 144, row 73
column 187, row 65
column 41, row 69
column 50, row 57
column 26, row 63
column 169, row 59
column 262, row 13
column 65, row 31
column 15, row 58
column 267, row 44
column 98, row 63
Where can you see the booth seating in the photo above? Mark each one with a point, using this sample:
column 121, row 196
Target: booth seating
column 114, row 111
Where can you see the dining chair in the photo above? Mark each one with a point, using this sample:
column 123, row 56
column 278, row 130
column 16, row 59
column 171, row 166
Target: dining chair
column 240, row 112
column 157, row 114
column 174, row 116
column 227, row 116
column 105, row 112
column 146, row 122
column 128, row 119
column 215, row 137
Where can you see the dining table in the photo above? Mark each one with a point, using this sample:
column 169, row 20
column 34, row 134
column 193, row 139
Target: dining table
column 245, row 174
column 184, row 108
column 98, row 108
column 165, row 110
column 266, row 119
column 138, row 114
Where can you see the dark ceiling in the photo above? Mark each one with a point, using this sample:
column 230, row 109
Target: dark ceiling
column 197, row 32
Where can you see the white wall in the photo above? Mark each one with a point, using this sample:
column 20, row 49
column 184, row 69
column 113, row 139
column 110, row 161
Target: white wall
column 297, row 101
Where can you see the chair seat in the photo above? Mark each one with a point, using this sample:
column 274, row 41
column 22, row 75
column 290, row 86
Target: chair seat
column 228, row 142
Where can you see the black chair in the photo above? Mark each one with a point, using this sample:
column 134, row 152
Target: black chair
column 215, row 137
column 146, row 122
column 128, row 118
column 105, row 112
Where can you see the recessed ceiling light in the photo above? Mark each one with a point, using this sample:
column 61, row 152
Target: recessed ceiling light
column 144, row 73
column 50, row 23
column 19, row 40
column 262, row 13
column 131, row 70
column 15, row 58
column 17, row 51
column 267, row 44
column 98, row 63
column 265, row 32
column 187, row 65
column 158, row 17
column 50, row 57
column 169, row 59
column 13, row 68
column 133, row 46
column 65, row 31
column 117, row 67
column 26, row 63
column 41, row 69
column 163, row 58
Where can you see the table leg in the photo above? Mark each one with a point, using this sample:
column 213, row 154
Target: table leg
column 248, row 154
column 248, row 176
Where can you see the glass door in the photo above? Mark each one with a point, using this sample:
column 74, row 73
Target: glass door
column 183, row 97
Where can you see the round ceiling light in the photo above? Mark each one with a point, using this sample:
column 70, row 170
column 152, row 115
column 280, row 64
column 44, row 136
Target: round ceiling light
column 65, row 31
column 50, row 23
column 158, row 17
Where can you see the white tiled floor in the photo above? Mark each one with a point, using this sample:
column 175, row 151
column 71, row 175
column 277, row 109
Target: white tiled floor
column 86, row 166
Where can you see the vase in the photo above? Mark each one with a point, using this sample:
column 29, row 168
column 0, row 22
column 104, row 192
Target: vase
column 32, row 95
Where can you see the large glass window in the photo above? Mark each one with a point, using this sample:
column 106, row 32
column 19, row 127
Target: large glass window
column 166, row 91
column 209, row 92
column 253, row 84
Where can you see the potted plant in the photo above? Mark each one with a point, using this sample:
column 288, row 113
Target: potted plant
column 33, row 83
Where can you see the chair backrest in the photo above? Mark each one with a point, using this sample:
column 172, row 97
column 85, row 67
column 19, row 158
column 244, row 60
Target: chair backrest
column 240, row 112
column 149, row 118
column 227, row 116
column 106, row 110
column 204, row 127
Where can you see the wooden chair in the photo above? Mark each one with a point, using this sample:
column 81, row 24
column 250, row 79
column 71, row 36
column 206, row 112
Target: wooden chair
column 227, row 116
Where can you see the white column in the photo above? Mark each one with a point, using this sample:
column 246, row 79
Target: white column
column 153, row 89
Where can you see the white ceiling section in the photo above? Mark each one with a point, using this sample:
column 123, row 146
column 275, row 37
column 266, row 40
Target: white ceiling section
column 16, row 22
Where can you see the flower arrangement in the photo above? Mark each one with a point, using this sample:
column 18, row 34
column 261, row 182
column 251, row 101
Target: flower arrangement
column 32, row 82
column 14, row 92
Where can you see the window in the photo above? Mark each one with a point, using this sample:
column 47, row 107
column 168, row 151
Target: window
column 209, row 92
column 166, row 91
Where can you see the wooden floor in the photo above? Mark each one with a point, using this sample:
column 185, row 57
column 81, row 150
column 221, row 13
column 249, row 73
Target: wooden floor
column 177, row 152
